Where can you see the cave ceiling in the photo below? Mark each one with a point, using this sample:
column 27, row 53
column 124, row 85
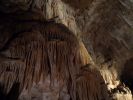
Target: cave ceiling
column 105, row 27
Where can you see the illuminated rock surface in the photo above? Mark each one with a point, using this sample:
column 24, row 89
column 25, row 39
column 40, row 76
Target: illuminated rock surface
column 104, row 26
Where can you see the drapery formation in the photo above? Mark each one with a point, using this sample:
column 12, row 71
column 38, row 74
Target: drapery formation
column 49, row 49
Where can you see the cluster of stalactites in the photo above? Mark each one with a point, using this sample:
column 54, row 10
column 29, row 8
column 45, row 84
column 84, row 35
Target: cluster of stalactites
column 49, row 50
column 52, row 50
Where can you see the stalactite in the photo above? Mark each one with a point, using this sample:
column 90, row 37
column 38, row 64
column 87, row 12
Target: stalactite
column 90, row 84
column 50, row 49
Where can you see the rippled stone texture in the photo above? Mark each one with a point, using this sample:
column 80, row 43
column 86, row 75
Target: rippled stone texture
column 105, row 27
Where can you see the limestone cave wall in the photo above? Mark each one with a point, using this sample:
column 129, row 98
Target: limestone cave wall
column 105, row 27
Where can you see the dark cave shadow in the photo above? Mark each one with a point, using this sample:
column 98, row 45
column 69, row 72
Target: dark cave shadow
column 127, row 76
column 13, row 93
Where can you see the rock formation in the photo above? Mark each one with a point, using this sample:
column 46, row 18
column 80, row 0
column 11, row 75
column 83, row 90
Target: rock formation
column 103, row 27
column 48, row 52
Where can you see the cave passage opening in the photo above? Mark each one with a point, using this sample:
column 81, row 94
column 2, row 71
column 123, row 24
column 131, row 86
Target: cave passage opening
column 127, row 74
